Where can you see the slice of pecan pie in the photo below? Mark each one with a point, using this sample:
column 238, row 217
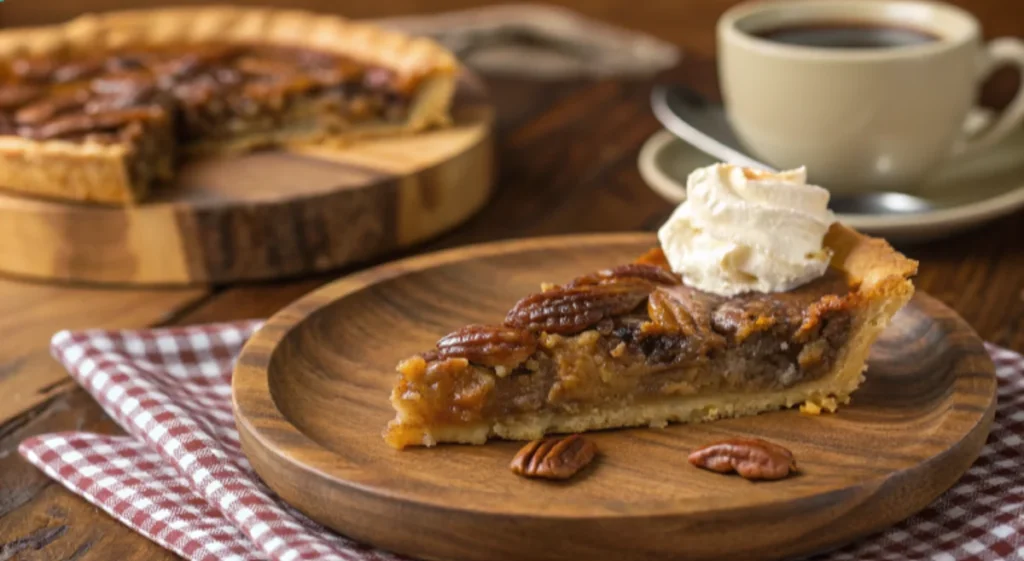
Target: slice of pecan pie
column 97, row 109
column 633, row 346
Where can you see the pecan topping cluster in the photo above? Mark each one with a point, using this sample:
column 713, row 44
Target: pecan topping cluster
column 589, row 301
column 751, row 458
column 667, row 313
column 200, row 87
column 554, row 458
column 568, row 309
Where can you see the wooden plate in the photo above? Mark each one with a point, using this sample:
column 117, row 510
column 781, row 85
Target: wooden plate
column 311, row 398
column 267, row 214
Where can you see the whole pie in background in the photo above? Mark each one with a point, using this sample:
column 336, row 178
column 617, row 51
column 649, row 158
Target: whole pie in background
column 100, row 109
column 634, row 346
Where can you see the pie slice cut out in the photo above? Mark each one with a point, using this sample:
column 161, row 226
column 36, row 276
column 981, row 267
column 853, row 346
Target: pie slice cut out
column 633, row 346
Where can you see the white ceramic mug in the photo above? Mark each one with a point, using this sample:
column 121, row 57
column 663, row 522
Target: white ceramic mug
column 860, row 119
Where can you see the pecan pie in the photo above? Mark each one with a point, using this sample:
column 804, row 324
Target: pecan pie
column 633, row 346
column 100, row 108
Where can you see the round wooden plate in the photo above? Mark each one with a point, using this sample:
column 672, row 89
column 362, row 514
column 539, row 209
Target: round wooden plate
column 267, row 214
column 311, row 399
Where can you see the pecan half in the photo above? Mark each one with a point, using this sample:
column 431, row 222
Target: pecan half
column 45, row 109
column 74, row 71
column 120, row 91
column 751, row 458
column 13, row 96
column 641, row 271
column 654, row 256
column 571, row 310
column 668, row 314
column 674, row 311
column 490, row 345
column 554, row 458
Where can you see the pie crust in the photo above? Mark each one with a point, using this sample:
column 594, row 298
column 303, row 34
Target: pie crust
column 419, row 68
column 878, row 281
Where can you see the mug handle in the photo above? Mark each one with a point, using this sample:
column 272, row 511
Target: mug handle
column 1005, row 50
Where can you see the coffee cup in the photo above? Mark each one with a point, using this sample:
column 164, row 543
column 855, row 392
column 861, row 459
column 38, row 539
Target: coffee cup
column 868, row 94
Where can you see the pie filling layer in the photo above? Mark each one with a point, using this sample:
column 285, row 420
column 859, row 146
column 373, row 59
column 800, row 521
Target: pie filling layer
column 677, row 342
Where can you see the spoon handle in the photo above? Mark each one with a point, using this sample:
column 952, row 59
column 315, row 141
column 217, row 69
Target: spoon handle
column 691, row 117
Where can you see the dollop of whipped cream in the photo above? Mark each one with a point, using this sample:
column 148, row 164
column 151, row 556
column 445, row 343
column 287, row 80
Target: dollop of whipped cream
column 743, row 230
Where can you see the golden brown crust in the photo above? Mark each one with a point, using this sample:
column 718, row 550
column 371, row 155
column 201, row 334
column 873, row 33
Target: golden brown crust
column 869, row 261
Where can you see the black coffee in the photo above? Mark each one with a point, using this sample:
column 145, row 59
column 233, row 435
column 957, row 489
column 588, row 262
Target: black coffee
column 839, row 35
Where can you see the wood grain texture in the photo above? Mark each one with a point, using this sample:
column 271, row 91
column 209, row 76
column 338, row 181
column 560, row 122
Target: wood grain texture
column 311, row 398
column 267, row 214
column 39, row 520
column 45, row 526
column 32, row 313
column 19, row 480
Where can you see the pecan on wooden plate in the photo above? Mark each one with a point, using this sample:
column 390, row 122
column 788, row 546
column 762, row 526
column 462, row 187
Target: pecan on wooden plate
column 751, row 458
column 554, row 458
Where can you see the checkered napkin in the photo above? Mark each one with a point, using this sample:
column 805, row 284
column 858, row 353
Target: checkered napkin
column 181, row 480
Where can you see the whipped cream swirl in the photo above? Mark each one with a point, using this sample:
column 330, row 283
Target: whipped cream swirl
column 743, row 230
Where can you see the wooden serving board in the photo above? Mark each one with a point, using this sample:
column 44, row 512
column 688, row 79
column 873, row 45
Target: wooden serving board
column 267, row 214
column 311, row 399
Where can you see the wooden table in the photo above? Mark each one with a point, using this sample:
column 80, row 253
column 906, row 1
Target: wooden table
column 567, row 160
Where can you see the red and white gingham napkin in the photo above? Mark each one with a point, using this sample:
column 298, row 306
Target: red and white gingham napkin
column 180, row 478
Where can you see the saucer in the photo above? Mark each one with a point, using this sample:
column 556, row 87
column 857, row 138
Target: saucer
column 966, row 192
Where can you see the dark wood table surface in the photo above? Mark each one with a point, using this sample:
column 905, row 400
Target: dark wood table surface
column 567, row 164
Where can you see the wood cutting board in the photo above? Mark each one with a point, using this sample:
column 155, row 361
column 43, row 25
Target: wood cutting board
column 311, row 399
column 267, row 214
